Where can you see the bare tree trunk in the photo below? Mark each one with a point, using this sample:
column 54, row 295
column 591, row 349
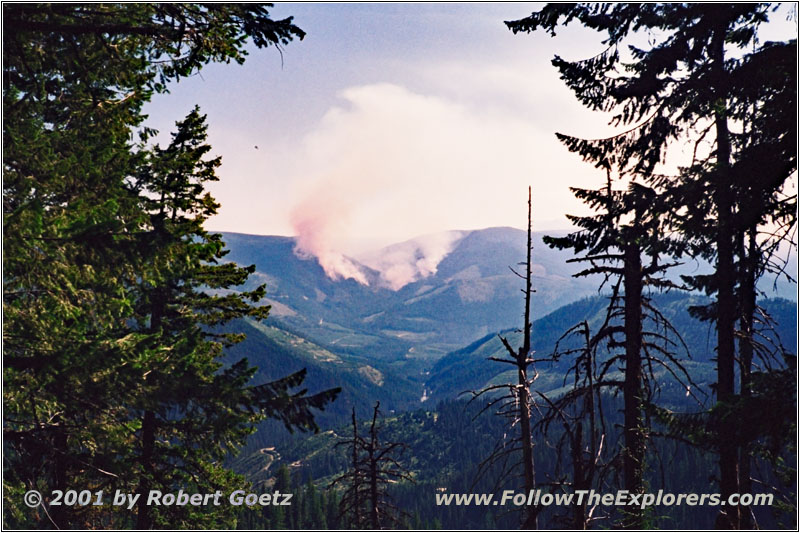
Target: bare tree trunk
column 356, row 481
column 726, row 301
column 633, row 458
column 748, row 306
column 373, row 472
column 579, row 479
column 531, row 516
column 373, row 467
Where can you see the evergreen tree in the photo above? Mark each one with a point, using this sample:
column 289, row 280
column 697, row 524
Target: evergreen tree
column 111, row 287
column 283, row 485
column 194, row 412
column 628, row 227
column 694, row 81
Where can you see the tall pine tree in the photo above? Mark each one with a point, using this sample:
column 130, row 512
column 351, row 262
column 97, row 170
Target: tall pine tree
column 625, row 241
column 111, row 287
column 693, row 83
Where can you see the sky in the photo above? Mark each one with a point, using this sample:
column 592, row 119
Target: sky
column 390, row 121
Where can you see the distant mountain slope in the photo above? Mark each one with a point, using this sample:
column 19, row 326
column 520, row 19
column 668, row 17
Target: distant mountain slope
column 400, row 386
column 471, row 293
column 474, row 291
column 277, row 353
column 468, row 292
column 469, row 368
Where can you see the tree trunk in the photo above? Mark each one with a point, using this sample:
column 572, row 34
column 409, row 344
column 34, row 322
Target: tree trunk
column 143, row 519
column 531, row 514
column 746, row 321
column 373, row 491
column 633, row 458
column 725, row 277
column 579, row 479
column 356, row 481
column 59, row 513
column 531, row 520
column 373, row 471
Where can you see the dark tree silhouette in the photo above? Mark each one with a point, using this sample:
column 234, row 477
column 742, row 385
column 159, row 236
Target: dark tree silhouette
column 579, row 413
column 615, row 250
column 517, row 403
column 697, row 79
column 365, row 503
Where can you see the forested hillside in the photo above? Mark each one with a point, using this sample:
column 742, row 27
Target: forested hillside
column 444, row 454
column 402, row 386
column 470, row 294
column 470, row 369
column 447, row 444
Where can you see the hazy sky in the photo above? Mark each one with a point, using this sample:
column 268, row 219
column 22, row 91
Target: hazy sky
column 390, row 121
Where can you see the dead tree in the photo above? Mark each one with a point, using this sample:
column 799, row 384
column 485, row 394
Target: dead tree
column 516, row 403
column 365, row 502
column 579, row 414
column 352, row 511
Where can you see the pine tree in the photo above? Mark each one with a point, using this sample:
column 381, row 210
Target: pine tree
column 110, row 373
column 283, row 485
column 627, row 227
column 194, row 412
column 693, row 82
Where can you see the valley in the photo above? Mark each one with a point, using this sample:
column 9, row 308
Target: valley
column 420, row 349
column 431, row 338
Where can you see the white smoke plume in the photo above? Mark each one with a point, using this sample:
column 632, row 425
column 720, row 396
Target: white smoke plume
column 407, row 262
column 391, row 164
column 316, row 228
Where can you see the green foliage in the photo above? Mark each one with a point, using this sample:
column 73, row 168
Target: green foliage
column 112, row 288
column 447, row 444
column 704, row 77
column 663, row 90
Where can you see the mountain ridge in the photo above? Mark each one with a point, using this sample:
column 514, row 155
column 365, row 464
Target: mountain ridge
column 470, row 292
